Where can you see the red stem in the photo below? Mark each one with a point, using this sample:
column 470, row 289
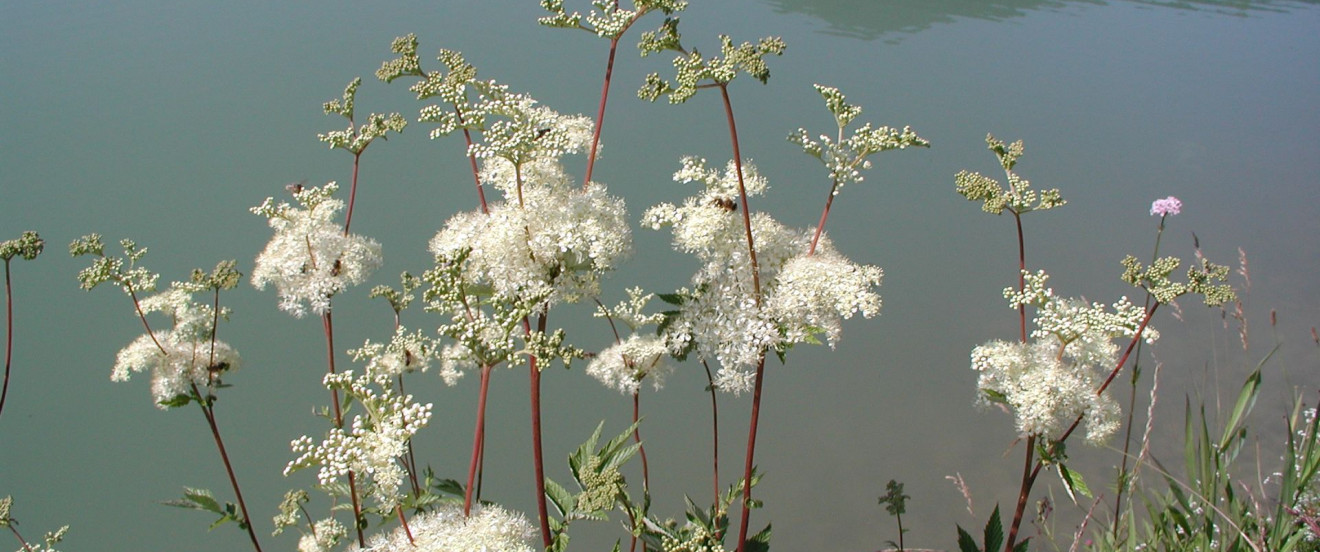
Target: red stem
column 600, row 112
column 1022, row 277
column 352, row 192
column 477, row 437
column 742, row 194
column 537, row 457
column 1028, row 479
column 209, row 412
column 472, row 160
column 751, row 449
column 820, row 226
column 404, row 522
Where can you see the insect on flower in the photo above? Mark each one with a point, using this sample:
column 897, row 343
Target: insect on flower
column 725, row 204
column 295, row 187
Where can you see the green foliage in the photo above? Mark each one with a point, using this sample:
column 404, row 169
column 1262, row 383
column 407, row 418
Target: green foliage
column 993, row 537
column 846, row 157
column 1201, row 280
column 203, row 500
column 122, row 271
column 600, row 484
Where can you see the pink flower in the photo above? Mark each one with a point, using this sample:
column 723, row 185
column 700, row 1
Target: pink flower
column 1165, row 207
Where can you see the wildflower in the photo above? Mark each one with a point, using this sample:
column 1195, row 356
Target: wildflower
column 328, row 533
column 181, row 357
column 624, row 365
column 1051, row 380
column 1165, row 207
column 310, row 259
column 446, row 529
column 721, row 315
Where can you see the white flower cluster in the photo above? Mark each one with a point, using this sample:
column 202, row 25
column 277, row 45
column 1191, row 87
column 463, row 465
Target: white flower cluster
column 624, row 365
column 490, row 528
column 1052, row 380
column 549, row 237
column 310, row 259
column 720, row 316
column 371, row 445
column 328, row 534
column 180, row 357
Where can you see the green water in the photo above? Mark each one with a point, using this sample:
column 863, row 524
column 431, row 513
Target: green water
column 166, row 121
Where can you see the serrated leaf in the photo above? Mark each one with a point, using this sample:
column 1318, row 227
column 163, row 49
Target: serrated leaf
column 994, row 531
column 759, row 542
column 965, row 541
column 671, row 298
column 559, row 497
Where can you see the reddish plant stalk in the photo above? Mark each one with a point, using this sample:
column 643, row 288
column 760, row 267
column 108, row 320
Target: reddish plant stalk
column 352, row 191
column 209, row 412
column 537, row 457
column 478, row 436
column 600, row 112
column 398, row 508
column 1022, row 277
column 9, row 339
column 824, row 214
column 472, row 160
column 756, row 286
column 22, row 542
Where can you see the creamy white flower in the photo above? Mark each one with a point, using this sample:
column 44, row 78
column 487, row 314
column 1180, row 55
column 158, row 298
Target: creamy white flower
column 180, row 357
column 624, row 365
column 490, row 528
column 558, row 243
column 719, row 316
column 310, row 259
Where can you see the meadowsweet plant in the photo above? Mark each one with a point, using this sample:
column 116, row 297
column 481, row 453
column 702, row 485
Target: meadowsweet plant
column 187, row 361
column 27, row 246
column 1056, row 377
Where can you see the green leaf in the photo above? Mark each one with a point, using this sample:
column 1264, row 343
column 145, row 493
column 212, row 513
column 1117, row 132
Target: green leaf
column 994, row 532
column 197, row 499
column 965, row 541
column 1073, row 483
column 759, row 542
column 559, row 497
column 671, row 298
column 1245, row 401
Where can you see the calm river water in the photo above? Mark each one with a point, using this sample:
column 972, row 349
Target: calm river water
column 166, row 121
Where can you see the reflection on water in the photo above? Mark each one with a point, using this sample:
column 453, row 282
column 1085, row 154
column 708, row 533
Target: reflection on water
column 870, row 20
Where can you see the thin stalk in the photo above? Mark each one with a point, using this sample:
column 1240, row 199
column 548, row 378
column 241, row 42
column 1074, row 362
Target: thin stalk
column 352, row 191
column 472, row 160
column 715, row 434
column 1024, row 492
column 411, row 461
column 9, row 338
column 824, row 214
column 1022, row 277
column 646, row 471
column 208, row 410
column 478, row 436
column 600, row 111
column 398, row 508
column 14, row 530
column 756, row 286
column 742, row 196
column 537, row 457
column 751, row 449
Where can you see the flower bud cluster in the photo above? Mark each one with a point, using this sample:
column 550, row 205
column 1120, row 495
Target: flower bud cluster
column 372, row 444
